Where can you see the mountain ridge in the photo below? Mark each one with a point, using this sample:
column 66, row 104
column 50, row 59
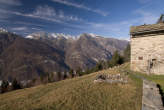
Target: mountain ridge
column 27, row 59
column 85, row 50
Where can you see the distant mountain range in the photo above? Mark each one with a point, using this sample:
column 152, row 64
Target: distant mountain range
column 83, row 51
column 41, row 53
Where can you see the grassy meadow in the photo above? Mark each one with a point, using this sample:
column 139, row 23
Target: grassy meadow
column 79, row 93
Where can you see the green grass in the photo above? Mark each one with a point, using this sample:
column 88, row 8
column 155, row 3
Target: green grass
column 158, row 79
column 78, row 94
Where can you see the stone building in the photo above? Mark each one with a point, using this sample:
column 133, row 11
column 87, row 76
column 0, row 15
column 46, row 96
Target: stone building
column 147, row 47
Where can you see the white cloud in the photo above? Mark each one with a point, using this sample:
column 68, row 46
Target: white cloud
column 122, row 28
column 38, row 13
column 19, row 28
column 10, row 2
column 38, row 29
column 50, row 14
column 80, row 6
column 4, row 14
column 28, row 24
column 7, row 5
column 147, row 17
column 24, row 29
column 44, row 11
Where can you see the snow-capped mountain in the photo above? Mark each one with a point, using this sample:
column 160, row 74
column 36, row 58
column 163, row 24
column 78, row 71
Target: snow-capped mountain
column 93, row 35
column 37, row 35
column 59, row 35
column 43, row 35
column 53, row 52
column 78, row 49
column 3, row 30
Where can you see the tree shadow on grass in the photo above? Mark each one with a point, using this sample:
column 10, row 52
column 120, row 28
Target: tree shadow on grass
column 162, row 93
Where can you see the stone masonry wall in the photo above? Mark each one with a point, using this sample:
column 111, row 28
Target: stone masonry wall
column 147, row 54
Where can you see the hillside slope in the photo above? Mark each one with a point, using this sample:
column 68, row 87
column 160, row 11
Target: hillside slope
column 27, row 59
column 32, row 58
column 78, row 94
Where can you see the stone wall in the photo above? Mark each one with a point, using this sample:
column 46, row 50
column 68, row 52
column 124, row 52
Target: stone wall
column 147, row 54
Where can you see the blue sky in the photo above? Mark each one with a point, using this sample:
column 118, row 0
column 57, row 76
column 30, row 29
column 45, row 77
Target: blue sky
column 109, row 18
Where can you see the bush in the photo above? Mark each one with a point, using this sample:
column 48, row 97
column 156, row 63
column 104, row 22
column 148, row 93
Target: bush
column 127, row 53
column 79, row 71
column 98, row 67
column 15, row 85
column 71, row 72
column 117, row 59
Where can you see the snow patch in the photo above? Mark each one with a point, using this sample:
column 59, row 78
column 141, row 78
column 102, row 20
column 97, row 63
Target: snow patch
column 92, row 35
column 58, row 36
column 3, row 30
column 29, row 37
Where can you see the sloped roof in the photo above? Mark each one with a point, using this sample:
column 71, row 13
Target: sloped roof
column 143, row 29
column 146, row 28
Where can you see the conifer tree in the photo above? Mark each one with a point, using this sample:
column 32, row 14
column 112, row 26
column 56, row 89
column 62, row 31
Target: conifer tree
column 15, row 85
column 127, row 53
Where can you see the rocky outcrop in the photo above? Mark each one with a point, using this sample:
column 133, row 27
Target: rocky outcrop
column 112, row 78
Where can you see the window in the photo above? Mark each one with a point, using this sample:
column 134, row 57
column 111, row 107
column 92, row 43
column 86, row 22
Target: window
column 153, row 60
column 140, row 58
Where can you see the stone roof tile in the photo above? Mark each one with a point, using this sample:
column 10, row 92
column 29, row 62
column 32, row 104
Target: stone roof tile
column 146, row 28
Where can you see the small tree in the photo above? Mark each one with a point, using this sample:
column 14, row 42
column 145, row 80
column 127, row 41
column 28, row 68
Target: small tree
column 59, row 74
column 65, row 75
column 127, row 53
column 15, row 85
column 98, row 66
column 50, row 77
column 79, row 71
column 71, row 72
column 88, row 71
column 116, row 59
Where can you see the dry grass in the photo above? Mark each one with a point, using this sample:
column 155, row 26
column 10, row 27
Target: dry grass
column 77, row 94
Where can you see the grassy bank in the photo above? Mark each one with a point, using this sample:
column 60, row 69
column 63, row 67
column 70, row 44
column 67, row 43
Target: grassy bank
column 78, row 94
column 159, row 79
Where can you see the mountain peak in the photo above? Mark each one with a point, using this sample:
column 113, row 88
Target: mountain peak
column 90, row 35
column 37, row 35
column 43, row 35
column 59, row 35
column 3, row 30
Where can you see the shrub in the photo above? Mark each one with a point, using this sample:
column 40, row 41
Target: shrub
column 127, row 53
column 15, row 85
column 117, row 59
